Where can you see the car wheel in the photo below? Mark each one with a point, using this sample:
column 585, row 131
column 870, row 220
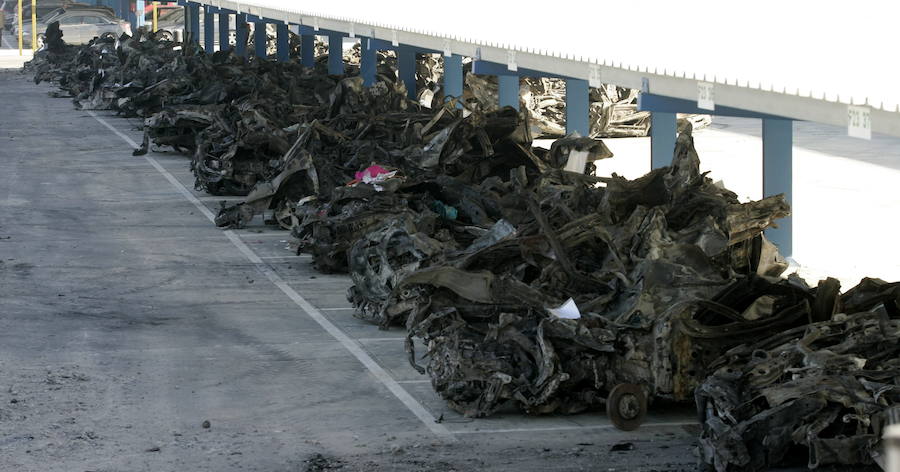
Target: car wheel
column 163, row 35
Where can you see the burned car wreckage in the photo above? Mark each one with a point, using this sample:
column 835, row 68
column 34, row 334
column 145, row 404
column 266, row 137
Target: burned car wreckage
column 531, row 282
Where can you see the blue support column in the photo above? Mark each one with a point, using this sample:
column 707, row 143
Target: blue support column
column 778, row 136
column 508, row 90
column 260, row 39
column 187, row 22
column 224, row 27
column 194, row 19
column 577, row 107
column 209, row 29
column 663, row 131
column 131, row 15
column 453, row 76
column 243, row 33
column 335, row 53
column 406, row 63
column 367, row 64
column 282, row 42
column 307, row 49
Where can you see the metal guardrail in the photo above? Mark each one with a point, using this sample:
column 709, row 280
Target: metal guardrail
column 781, row 103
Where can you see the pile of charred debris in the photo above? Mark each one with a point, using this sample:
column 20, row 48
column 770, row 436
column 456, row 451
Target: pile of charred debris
column 533, row 283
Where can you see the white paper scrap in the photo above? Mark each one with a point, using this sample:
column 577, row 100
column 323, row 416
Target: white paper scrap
column 577, row 161
column 567, row 311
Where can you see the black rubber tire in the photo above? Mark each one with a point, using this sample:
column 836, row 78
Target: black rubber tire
column 626, row 406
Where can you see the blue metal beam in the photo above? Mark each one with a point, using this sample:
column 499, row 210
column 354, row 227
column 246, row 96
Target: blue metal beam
column 260, row 39
column 508, row 90
column 453, row 77
column 209, row 29
column 578, row 107
column 194, row 18
column 283, row 42
column 367, row 64
column 307, row 49
column 380, row 44
column 242, row 32
column 336, row 53
column 656, row 103
column 224, row 27
column 663, row 131
column 495, row 68
column 406, row 63
column 777, row 136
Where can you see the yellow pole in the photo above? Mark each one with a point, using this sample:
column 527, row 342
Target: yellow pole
column 155, row 15
column 20, row 27
column 33, row 26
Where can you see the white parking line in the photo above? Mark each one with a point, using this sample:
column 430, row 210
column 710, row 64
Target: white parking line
column 376, row 370
column 568, row 428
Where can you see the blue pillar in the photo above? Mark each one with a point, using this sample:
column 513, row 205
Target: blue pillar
column 777, row 135
column 209, row 29
column 453, row 76
column 224, row 26
column 194, row 19
column 367, row 64
column 243, row 33
column 283, row 42
column 335, row 53
column 260, row 39
column 130, row 15
column 406, row 62
column 508, row 90
column 578, row 102
column 663, row 132
column 308, row 50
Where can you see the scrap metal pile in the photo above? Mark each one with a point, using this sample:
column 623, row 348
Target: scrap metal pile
column 613, row 110
column 532, row 283
column 816, row 394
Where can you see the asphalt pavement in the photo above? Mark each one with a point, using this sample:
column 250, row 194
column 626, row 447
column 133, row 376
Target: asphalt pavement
column 135, row 335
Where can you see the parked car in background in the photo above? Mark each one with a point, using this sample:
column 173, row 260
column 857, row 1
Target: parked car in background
column 9, row 7
column 170, row 24
column 43, row 8
column 80, row 25
column 51, row 17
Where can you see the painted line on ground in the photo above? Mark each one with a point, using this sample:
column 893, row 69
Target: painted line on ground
column 219, row 199
column 283, row 234
column 361, row 355
column 571, row 428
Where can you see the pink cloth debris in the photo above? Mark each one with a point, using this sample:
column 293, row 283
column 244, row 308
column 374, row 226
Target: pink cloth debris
column 371, row 172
